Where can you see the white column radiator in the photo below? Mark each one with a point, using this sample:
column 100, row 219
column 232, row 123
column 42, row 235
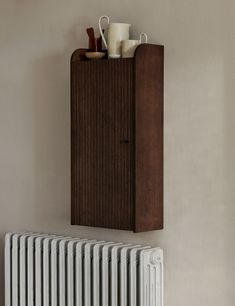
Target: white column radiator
column 47, row 270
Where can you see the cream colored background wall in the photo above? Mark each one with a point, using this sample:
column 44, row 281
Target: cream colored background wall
column 36, row 41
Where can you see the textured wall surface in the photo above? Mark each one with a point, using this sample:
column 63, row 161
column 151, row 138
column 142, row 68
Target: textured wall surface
column 36, row 41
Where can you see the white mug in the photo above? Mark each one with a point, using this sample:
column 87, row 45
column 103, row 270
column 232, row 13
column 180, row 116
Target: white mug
column 129, row 45
column 117, row 32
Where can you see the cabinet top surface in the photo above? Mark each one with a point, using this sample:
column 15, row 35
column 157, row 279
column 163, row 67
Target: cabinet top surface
column 143, row 50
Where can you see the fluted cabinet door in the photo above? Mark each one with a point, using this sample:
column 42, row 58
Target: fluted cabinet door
column 102, row 143
column 117, row 140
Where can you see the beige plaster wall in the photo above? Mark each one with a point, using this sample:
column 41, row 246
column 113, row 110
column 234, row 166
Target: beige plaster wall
column 36, row 41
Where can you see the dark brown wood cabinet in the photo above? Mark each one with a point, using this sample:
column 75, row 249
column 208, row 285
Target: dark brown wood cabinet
column 117, row 141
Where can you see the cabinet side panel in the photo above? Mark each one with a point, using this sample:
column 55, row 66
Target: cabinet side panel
column 73, row 137
column 149, row 137
column 102, row 96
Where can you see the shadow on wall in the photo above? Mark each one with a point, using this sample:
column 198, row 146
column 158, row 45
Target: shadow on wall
column 52, row 118
column 51, row 102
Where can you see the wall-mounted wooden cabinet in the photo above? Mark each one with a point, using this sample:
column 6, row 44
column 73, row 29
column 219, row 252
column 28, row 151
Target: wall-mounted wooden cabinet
column 117, row 141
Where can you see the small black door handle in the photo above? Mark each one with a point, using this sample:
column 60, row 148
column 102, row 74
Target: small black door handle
column 124, row 141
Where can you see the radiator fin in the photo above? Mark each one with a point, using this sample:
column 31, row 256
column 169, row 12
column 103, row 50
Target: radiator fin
column 51, row 270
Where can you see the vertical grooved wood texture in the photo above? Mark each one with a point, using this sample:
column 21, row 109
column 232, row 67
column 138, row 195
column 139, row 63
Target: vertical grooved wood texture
column 101, row 109
column 117, row 141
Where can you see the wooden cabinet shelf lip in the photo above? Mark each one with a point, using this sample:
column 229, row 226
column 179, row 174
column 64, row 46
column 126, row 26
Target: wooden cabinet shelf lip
column 79, row 54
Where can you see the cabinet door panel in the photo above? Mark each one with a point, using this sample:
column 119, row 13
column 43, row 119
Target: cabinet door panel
column 102, row 143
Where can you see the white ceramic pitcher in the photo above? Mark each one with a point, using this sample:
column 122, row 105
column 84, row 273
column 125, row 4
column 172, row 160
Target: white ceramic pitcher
column 117, row 32
column 129, row 45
